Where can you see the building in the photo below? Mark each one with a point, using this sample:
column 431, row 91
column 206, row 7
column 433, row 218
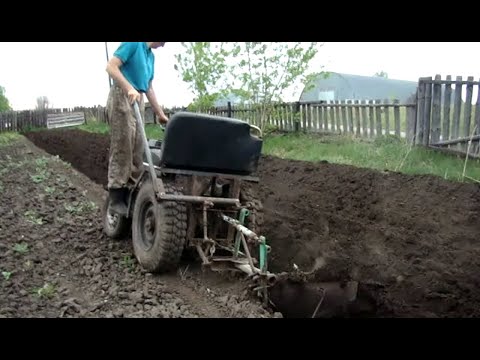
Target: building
column 336, row 86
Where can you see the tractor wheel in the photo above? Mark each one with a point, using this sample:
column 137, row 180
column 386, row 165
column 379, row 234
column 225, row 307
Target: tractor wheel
column 250, row 199
column 115, row 226
column 159, row 230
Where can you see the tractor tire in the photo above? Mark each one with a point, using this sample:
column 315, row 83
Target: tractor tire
column 159, row 230
column 115, row 226
column 250, row 199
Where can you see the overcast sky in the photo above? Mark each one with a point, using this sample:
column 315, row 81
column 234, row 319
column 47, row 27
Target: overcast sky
column 73, row 74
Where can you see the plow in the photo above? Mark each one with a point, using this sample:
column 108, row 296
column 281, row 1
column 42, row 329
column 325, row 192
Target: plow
column 195, row 193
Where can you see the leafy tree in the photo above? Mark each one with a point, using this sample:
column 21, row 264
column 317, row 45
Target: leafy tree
column 257, row 72
column 266, row 70
column 202, row 66
column 382, row 74
column 4, row 103
column 42, row 102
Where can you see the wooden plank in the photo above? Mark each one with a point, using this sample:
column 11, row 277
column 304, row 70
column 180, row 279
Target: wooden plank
column 311, row 121
column 468, row 107
column 357, row 118
column 337, row 116
column 411, row 123
column 67, row 117
column 306, row 117
column 396, row 116
column 343, row 110
column 446, row 110
column 371, row 119
column 427, row 114
column 333, row 124
column 450, row 82
column 457, row 108
column 320, row 118
column 386, row 110
column 457, row 141
column 61, row 121
column 436, row 113
column 350, row 117
column 364, row 118
column 477, row 119
column 291, row 118
column 378, row 118
column 420, row 111
column 301, row 115
column 326, row 118
column 454, row 152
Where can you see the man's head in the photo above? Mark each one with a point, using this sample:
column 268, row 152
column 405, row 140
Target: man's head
column 155, row 45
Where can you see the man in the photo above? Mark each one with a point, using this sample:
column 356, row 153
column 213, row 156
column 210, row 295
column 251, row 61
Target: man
column 132, row 70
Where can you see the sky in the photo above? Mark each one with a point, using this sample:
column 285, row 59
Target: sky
column 73, row 74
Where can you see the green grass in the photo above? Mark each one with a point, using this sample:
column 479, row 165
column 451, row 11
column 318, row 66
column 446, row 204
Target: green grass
column 153, row 131
column 8, row 137
column 386, row 153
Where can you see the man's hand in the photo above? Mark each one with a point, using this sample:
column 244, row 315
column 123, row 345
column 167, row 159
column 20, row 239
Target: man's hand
column 162, row 118
column 133, row 95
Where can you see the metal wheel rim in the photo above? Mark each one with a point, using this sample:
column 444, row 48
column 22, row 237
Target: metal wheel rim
column 147, row 226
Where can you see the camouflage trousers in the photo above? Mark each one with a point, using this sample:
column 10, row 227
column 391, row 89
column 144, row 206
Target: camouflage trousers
column 126, row 148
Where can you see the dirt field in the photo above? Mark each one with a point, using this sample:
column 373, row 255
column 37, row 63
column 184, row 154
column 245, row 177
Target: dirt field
column 55, row 260
column 410, row 241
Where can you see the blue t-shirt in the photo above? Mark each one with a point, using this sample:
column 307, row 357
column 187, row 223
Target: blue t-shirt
column 138, row 64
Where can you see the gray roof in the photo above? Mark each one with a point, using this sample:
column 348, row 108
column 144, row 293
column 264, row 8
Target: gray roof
column 356, row 87
column 223, row 101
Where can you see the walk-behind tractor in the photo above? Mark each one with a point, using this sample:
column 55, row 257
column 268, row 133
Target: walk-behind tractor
column 200, row 198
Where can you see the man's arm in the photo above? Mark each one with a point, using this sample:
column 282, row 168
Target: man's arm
column 152, row 99
column 113, row 69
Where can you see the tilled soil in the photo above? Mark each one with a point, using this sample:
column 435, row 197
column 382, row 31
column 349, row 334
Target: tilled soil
column 55, row 260
column 411, row 241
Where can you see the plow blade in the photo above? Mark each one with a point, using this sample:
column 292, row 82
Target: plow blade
column 288, row 293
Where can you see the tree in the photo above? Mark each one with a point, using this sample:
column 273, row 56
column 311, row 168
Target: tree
column 42, row 103
column 265, row 70
column 4, row 103
column 253, row 71
column 202, row 65
column 382, row 74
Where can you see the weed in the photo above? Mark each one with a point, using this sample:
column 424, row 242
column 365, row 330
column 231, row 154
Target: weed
column 21, row 248
column 46, row 291
column 32, row 217
column 127, row 262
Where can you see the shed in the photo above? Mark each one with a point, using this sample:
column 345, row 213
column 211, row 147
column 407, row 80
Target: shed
column 336, row 86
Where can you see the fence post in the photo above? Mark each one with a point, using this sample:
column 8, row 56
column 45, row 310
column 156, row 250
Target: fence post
column 419, row 129
column 296, row 121
column 229, row 109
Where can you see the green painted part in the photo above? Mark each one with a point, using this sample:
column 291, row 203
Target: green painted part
column 263, row 254
column 238, row 239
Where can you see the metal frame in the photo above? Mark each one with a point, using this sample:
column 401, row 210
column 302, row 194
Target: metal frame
column 218, row 231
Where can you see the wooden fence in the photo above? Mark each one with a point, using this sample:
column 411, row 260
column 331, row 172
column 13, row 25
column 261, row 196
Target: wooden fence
column 445, row 121
column 362, row 118
column 49, row 118
column 22, row 120
column 437, row 117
